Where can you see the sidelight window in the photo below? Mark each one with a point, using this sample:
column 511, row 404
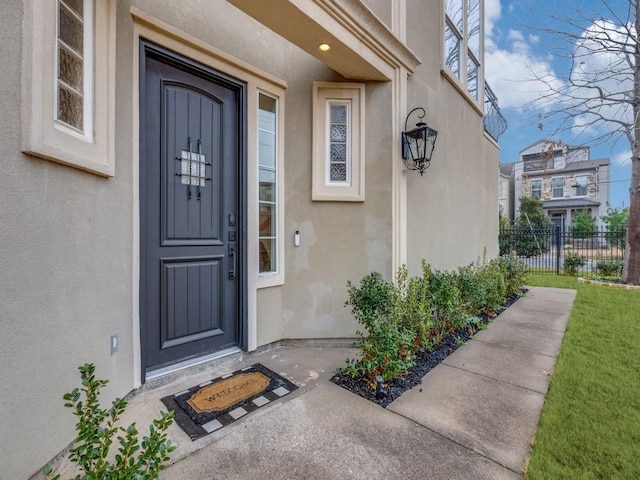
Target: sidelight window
column 268, row 183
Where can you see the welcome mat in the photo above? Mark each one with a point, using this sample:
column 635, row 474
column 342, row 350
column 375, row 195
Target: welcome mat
column 216, row 403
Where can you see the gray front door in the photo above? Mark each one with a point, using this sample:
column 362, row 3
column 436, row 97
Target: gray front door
column 190, row 209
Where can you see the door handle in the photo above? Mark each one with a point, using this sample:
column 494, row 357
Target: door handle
column 232, row 255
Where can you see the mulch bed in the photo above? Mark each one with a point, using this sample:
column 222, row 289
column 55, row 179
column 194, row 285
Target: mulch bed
column 424, row 363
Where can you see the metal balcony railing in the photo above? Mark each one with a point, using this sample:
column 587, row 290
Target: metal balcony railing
column 494, row 122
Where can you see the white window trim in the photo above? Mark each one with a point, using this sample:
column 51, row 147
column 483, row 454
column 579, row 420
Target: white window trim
column 324, row 94
column 586, row 185
column 268, row 279
column 42, row 135
column 531, row 185
column 460, row 84
column 553, row 188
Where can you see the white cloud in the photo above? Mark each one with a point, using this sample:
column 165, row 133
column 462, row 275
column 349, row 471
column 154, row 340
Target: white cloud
column 519, row 76
column 491, row 16
column 510, row 69
column 515, row 35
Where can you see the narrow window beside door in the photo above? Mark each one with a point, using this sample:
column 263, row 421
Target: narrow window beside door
column 268, row 185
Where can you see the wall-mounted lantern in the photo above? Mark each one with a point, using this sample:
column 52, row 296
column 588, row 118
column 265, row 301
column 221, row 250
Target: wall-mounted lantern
column 418, row 144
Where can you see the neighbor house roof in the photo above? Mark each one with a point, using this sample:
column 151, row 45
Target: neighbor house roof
column 569, row 203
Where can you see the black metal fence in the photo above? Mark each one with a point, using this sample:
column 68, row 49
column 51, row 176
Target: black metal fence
column 585, row 252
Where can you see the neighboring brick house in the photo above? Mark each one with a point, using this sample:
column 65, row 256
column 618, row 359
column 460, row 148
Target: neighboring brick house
column 565, row 178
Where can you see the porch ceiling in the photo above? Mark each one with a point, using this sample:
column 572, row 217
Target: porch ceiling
column 362, row 47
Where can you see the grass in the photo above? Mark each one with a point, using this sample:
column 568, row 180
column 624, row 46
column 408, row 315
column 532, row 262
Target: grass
column 590, row 422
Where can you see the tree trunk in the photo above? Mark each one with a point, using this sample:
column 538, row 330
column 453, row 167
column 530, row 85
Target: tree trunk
column 631, row 271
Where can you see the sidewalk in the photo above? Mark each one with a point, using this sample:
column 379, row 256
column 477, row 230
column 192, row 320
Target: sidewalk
column 473, row 417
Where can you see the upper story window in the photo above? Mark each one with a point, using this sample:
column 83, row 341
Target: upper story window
column 581, row 185
column 558, row 187
column 536, row 188
column 462, row 43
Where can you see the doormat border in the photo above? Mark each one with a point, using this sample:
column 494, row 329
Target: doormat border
column 198, row 425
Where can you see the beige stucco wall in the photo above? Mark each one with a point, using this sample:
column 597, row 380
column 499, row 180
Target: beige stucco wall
column 65, row 272
column 340, row 241
column 69, row 258
column 381, row 8
column 451, row 210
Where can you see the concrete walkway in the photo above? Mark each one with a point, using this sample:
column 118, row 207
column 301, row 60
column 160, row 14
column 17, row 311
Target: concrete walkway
column 473, row 417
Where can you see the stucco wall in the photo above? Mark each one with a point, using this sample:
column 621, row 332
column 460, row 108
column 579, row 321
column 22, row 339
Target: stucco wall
column 65, row 272
column 382, row 9
column 452, row 209
column 340, row 241
column 68, row 260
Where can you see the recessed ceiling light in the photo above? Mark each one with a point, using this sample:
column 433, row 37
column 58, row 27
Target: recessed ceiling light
column 324, row 47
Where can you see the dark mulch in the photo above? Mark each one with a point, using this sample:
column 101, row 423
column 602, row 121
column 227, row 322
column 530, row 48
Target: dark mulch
column 424, row 362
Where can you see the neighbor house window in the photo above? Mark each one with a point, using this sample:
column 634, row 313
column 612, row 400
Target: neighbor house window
column 68, row 77
column 338, row 142
column 462, row 43
column 558, row 187
column 581, row 185
column 268, row 183
column 536, row 188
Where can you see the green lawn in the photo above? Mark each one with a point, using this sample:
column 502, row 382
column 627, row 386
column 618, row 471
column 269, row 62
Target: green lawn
column 590, row 423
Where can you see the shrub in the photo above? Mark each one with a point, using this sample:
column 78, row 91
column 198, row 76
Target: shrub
column 387, row 345
column 448, row 311
column 572, row 262
column 514, row 272
column 417, row 313
column 609, row 267
column 495, row 286
column 96, row 427
column 616, row 220
column 472, row 288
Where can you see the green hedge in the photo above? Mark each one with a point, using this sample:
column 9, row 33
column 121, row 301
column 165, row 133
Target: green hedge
column 414, row 314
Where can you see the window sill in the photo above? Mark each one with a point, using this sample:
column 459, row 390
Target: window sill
column 460, row 88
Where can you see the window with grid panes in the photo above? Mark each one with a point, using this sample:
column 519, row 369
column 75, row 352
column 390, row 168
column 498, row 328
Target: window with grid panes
column 581, row 185
column 74, row 54
column 536, row 188
column 462, row 43
column 268, row 185
column 558, row 187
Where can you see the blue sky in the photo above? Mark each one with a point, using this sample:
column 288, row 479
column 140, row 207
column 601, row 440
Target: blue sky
column 515, row 46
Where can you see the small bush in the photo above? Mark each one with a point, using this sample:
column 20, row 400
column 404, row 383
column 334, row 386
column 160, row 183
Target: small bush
column 96, row 428
column 386, row 346
column 572, row 262
column 514, row 272
column 416, row 314
column 609, row 267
